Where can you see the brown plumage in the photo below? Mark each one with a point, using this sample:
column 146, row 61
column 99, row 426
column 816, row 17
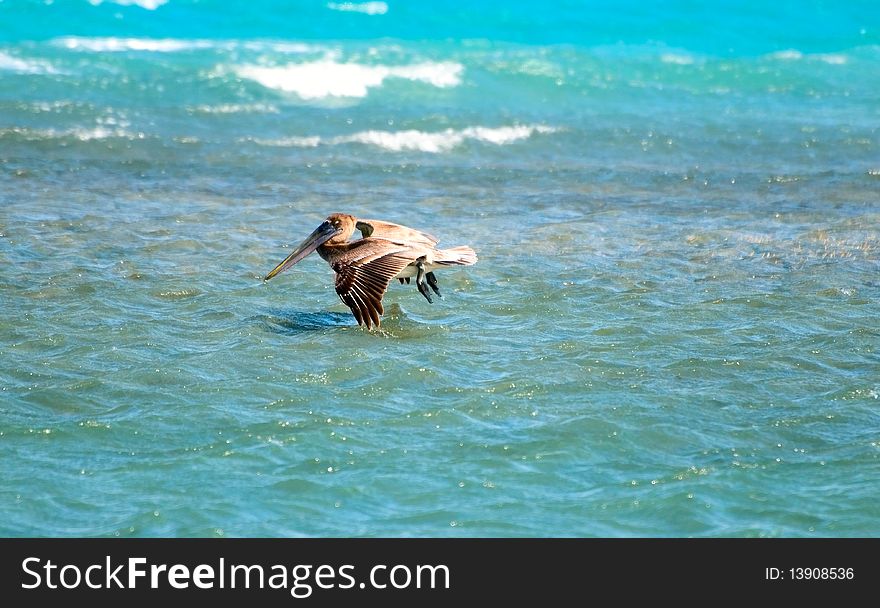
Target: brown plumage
column 364, row 267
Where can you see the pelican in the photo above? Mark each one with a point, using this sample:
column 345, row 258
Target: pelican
column 364, row 267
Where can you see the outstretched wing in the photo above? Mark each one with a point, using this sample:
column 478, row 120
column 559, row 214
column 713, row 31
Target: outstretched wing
column 363, row 275
column 395, row 233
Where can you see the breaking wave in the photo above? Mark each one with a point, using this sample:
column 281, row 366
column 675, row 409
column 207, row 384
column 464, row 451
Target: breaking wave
column 414, row 140
column 327, row 78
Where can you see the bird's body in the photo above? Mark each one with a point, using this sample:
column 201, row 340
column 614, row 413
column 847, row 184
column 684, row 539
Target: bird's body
column 364, row 267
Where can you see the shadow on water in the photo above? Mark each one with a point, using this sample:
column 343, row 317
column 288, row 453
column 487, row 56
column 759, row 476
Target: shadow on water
column 395, row 323
column 292, row 322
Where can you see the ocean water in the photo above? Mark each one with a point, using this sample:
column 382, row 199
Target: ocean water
column 672, row 329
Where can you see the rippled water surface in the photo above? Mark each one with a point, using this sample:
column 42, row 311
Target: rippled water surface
column 672, row 329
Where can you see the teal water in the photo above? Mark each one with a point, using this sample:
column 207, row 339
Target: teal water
column 672, row 329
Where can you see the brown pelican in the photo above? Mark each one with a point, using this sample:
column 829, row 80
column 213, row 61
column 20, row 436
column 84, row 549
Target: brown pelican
column 364, row 267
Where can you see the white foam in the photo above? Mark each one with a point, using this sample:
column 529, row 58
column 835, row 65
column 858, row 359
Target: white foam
column 48, row 106
column 276, row 46
column 794, row 55
column 442, row 74
column 10, row 63
column 505, row 135
column 415, row 140
column 119, row 45
column 831, row 58
column 327, row 78
column 173, row 45
column 787, row 55
column 149, row 5
column 96, row 133
column 539, row 67
column 289, row 142
column 368, row 8
column 317, row 79
column 80, row 133
column 235, row 108
column 677, row 59
column 397, row 141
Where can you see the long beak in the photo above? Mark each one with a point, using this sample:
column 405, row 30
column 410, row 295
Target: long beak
column 322, row 234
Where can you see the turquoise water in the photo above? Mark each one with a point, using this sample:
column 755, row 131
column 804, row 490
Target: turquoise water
column 672, row 329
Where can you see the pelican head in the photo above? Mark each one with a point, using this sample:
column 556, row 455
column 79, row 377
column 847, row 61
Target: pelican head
column 337, row 228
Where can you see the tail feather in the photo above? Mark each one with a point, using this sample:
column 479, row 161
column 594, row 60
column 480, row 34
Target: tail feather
column 456, row 256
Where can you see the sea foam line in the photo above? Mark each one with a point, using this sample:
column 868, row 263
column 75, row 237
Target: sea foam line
column 414, row 140
column 234, row 108
column 149, row 5
column 119, row 45
column 677, row 58
column 367, row 8
column 327, row 78
column 795, row 55
column 10, row 63
column 81, row 134
column 112, row 44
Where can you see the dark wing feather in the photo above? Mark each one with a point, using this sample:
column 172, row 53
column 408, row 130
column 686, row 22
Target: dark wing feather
column 362, row 277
